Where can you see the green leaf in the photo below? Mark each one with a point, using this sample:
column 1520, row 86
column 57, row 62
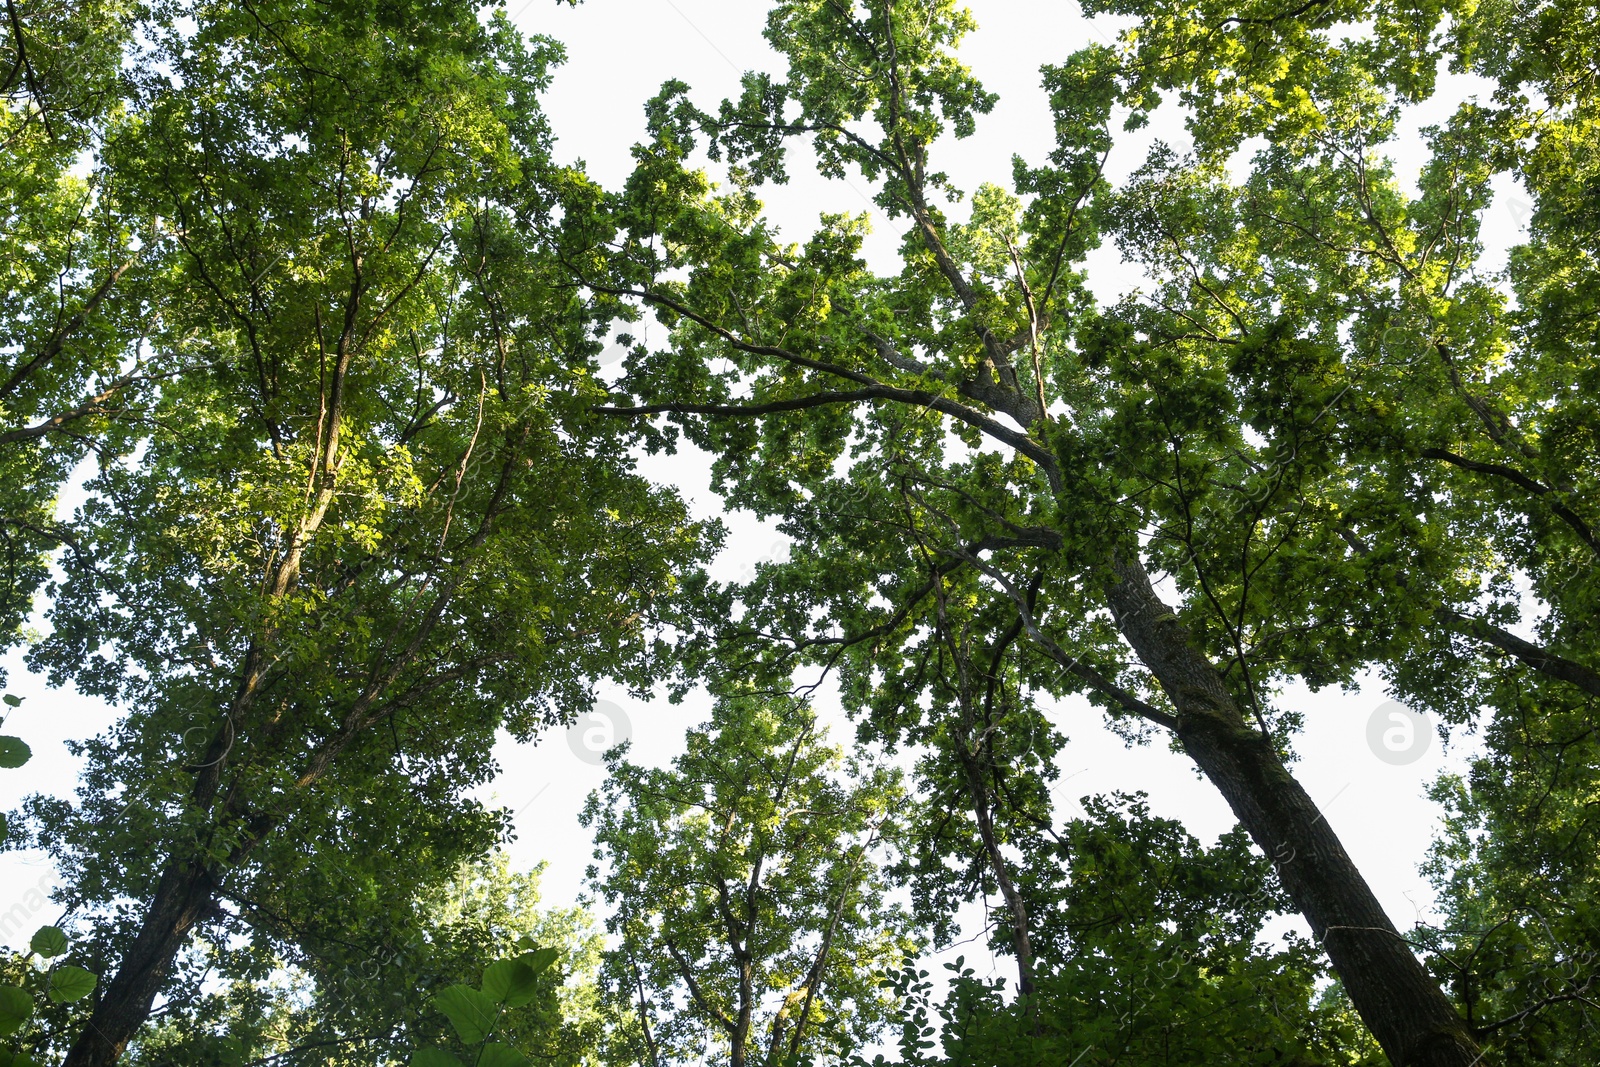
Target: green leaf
column 469, row 1011
column 495, row 1054
column 12, row 701
column 17, row 1059
column 49, row 942
column 69, row 983
column 433, row 1057
column 510, row 982
column 540, row 959
column 15, row 1007
column 14, row 752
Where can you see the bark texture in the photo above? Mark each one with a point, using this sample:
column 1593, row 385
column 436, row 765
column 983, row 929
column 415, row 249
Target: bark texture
column 1399, row 1001
column 183, row 897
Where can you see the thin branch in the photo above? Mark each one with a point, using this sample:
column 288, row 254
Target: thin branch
column 694, row 988
column 1532, row 485
column 58, row 339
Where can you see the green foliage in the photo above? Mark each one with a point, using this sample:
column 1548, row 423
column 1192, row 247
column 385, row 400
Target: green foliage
column 69, row 983
column 746, row 892
column 69, row 267
column 470, row 1012
column 15, row 1007
column 1346, row 444
column 32, row 981
column 14, row 751
column 49, row 941
column 1149, row 952
column 383, row 996
column 20, row 982
column 1517, row 869
column 304, row 282
column 475, row 1014
column 354, row 515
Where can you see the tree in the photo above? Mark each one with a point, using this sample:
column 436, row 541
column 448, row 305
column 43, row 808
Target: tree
column 1471, row 444
column 1242, row 431
column 364, row 519
column 304, row 281
column 1148, row 953
column 69, row 255
column 337, row 1000
column 1132, row 942
column 746, row 892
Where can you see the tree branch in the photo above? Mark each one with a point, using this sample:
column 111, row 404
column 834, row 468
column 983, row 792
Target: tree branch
column 694, row 988
column 1532, row 485
column 1540, row 659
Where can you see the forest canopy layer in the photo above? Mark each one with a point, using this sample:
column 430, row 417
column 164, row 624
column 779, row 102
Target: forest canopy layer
column 302, row 306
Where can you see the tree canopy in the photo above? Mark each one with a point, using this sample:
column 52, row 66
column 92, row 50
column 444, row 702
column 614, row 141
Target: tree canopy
column 302, row 305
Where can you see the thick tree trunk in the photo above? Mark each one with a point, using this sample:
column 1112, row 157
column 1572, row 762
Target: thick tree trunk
column 1400, row 1003
column 186, row 892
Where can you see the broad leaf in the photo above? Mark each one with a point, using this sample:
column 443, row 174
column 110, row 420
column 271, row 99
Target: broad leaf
column 433, row 1057
column 14, row 752
column 510, row 982
column 469, row 1011
column 69, row 983
column 497, row 1055
column 49, row 942
column 540, row 959
column 15, row 1007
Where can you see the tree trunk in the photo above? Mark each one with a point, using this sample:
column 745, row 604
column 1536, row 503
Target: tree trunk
column 1400, row 1003
column 1016, row 908
column 186, row 892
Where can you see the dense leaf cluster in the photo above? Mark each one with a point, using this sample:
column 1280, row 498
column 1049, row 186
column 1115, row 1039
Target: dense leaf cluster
column 303, row 313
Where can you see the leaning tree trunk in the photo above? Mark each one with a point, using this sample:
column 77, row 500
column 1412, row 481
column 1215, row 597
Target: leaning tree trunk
column 1400, row 1003
column 183, row 896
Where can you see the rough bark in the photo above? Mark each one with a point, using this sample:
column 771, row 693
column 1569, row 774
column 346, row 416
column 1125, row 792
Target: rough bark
column 184, row 895
column 1401, row 1004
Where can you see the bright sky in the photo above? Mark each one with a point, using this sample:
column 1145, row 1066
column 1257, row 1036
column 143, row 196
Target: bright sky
column 619, row 51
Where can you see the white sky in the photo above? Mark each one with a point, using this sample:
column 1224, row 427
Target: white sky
column 619, row 53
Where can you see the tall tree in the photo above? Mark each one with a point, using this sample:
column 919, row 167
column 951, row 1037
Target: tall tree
column 1468, row 435
column 747, row 896
column 1149, row 952
column 365, row 520
column 1227, row 433
column 1133, row 943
